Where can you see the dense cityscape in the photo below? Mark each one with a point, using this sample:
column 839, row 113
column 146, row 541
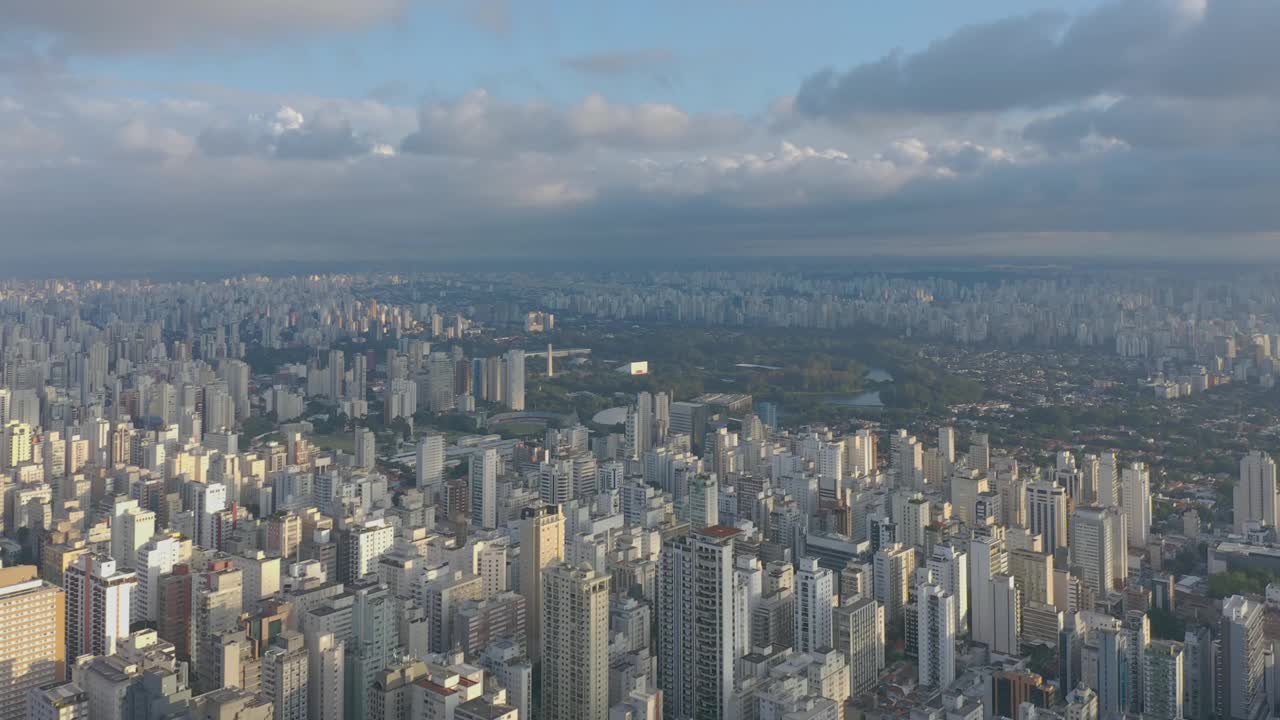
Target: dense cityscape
column 664, row 360
column 637, row 495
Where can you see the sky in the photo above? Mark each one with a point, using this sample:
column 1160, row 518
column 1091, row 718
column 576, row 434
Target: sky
column 150, row 133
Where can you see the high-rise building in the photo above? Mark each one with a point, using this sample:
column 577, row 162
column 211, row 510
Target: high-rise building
column 987, row 559
column 99, row 603
column 814, row 593
column 1104, row 667
column 154, row 560
column 1135, row 500
column 1099, row 547
column 1047, row 506
column 936, row 636
column 365, row 448
column 911, row 514
column 541, row 546
column 947, row 448
column 696, row 632
column 1198, row 673
column 1137, row 629
column 575, row 643
column 515, row 379
column 326, row 676
column 1108, row 480
column 482, row 476
column 284, row 676
column 894, row 567
column 430, row 460
column 1241, row 676
column 948, row 567
column 1257, row 497
column 1006, row 615
column 859, row 634
column 33, row 643
column 1162, row 680
column 1034, row 573
column 217, row 598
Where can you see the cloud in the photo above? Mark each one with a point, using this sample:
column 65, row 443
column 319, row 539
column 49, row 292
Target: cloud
column 479, row 124
column 130, row 25
column 287, row 134
column 1141, row 48
column 619, row 63
column 1140, row 127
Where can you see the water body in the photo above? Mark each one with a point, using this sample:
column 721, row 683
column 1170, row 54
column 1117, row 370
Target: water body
column 866, row 399
column 879, row 375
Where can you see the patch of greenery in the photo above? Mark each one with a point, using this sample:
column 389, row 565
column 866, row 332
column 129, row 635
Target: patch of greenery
column 1240, row 582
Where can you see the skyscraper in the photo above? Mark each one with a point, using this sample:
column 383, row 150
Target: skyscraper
column 284, row 676
column 216, row 601
column 949, row 568
column 1241, row 663
column 1162, row 680
column 1047, row 505
column 33, row 643
column 575, row 643
column 695, row 636
column 936, row 636
column 99, row 603
column 814, row 590
column 891, row 577
column 1099, row 547
column 365, row 448
column 987, row 559
column 430, row 460
column 1257, row 499
column 482, row 475
column 1104, row 667
column 1108, row 480
column 859, row 634
column 947, row 448
column 1198, row 671
column 515, row 379
column 1135, row 500
column 541, row 546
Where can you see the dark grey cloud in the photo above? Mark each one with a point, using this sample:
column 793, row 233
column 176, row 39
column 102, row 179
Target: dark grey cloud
column 1148, row 48
column 1161, row 123
column 325, row 137
column 133, row 25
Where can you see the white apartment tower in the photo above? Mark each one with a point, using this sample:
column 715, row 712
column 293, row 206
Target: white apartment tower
column 936, row 637
column 1135, row 500
column 814, row 594
column 99, row 605
column 430, row 459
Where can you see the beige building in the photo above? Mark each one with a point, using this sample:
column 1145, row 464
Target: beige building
column 32, row 637
column 575, row 643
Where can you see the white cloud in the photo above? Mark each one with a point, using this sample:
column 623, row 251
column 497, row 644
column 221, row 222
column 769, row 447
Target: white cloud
column 480, row 124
